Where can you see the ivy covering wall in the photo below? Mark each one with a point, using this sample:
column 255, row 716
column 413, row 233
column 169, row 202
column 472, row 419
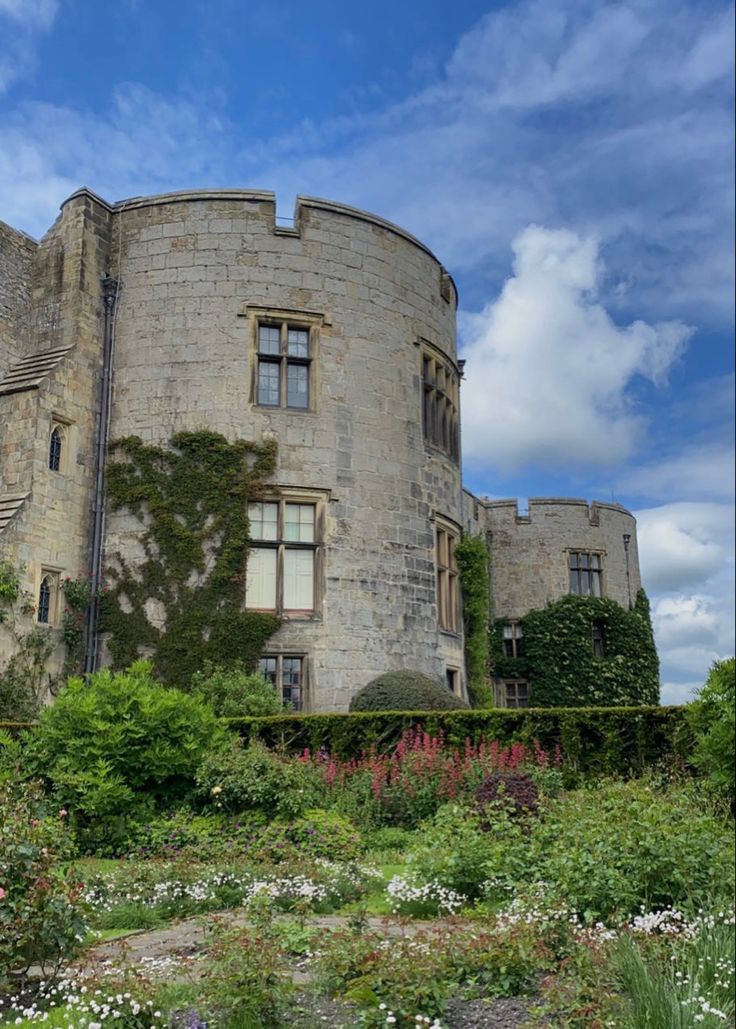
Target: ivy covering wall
column 472, row 560
column 559, row 662
column 182, row 603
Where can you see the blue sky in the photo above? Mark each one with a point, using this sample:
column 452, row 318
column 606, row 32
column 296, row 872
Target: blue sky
column 570, row 161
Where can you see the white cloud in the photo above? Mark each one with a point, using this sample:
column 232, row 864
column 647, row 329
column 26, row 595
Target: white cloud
column 683, row 545
column 36, row 14
column 692, row 631
column 548, row 369
column 704, row 471
column 20, row 23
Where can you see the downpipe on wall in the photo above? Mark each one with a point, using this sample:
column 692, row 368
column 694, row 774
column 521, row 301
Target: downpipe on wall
column 110, row 290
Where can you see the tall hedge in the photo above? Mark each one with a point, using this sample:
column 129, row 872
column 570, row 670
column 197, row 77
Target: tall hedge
column 611, row 740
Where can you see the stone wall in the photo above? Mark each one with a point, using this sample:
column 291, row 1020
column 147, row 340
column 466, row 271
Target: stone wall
column 530, row 552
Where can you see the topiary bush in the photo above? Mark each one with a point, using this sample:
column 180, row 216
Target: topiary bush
column 515, row 792
column 116, row 748
column 405, row 691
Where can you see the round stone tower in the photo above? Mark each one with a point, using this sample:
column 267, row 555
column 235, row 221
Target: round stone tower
column 336, row 337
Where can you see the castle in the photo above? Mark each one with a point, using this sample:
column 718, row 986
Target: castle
column 333, row 336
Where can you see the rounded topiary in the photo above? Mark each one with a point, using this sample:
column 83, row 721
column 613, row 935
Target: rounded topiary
column 405, row 691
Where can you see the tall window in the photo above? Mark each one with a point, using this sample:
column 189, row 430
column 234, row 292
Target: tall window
column 282, row 558
column 48, row 590
column 55, row 449
column 513, row 640
column 598, row 639
column 287, row 675
column 447, row 591
column 439, row 403
column 586, row 574
column 284, row 361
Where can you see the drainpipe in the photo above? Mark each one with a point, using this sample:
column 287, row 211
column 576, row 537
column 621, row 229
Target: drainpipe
column 110, row 288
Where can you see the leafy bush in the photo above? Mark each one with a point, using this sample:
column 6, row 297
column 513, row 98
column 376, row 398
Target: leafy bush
column 41, row 913
column 605, row 852
column 119, row 746
column 405, row 691
column 233, row 692
column 514, row 791
column 255, row 779
column 712, row 719
column 201, row 837
column 317, row 834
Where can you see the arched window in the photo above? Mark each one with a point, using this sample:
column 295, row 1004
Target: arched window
column 44, row 600
column 55, row 449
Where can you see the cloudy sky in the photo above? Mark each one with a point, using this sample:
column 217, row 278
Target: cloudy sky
column 570, row 161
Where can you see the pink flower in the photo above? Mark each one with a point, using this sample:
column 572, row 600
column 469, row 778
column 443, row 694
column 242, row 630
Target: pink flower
column 63, row 812
column 2, row 893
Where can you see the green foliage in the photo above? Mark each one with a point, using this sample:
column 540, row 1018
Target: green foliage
column 316, row 834
column 672, row 994
column 559, row 661
column 592, row 740
column 472, row 559
column 23, row 678
column 604, row 852
column 405, row 691
column 233, row 692
column 454, row 851
column 254, row 778
column 712, row 720
column 78, row 595
column 117, row 743
column 41, row 914
column 194, row 500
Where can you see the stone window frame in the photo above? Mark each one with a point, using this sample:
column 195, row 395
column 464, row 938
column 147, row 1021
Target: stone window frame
column 590, row 563
column 295, row 495
column 62, row 427
column 453, row 680
column 447, row 535
column 439, row 379
column 278, row 675
column 516, row 693
column 285, row 319
column 51, row 576
column 513, row 639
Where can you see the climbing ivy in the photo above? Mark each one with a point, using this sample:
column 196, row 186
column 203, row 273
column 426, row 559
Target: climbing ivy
column 558, row 659
column 193, row 499
column 472, row 561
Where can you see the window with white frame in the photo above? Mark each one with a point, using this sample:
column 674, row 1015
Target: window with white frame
column 287, row 673
column 586, row 573
column 284, row 365
column 282, row 562
column 447, row 579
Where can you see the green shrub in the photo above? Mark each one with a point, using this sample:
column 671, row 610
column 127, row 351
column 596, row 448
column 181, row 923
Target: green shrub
column 200, row 837
column 42, row 918
column 119, row 746
column 316, row 834
column 712, row 720
column 604, row 852
column 405, row 691
column 255, row 779
column 233, row 692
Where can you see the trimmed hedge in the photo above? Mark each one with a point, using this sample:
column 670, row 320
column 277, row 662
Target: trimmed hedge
column 606, row 740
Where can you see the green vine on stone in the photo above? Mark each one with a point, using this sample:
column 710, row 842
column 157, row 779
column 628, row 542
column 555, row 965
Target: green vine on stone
column 182, row 604
column 472, row 560
column 78, row 595
column 559, row 662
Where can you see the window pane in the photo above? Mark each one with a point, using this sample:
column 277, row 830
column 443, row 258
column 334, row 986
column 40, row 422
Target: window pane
column 595, row 582
column 292, row 671
column 268, row 383
column 55, row 451
column 574, row 560
column 299, row 523
column 260, row 585
column 267, row 668
column 298, row 580
column 297, row 343
column 574, row 587
column 44, row 600
column 263, row 521
column 584, row 584
column 297, row 385
column 269, row 339
column 508, row 632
